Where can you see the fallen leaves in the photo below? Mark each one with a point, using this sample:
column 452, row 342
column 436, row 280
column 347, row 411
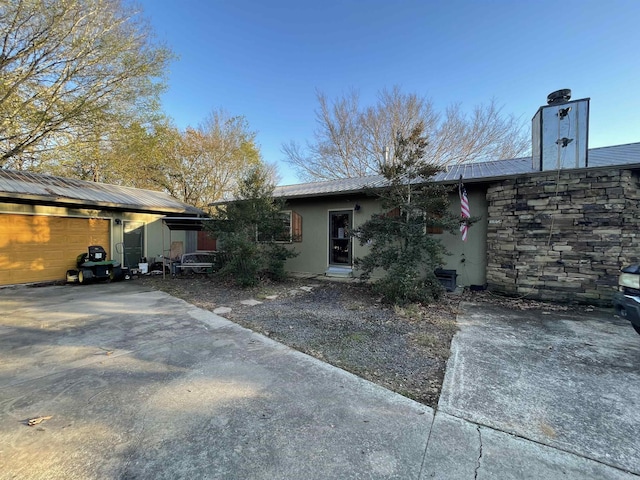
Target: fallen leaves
column 38, row 420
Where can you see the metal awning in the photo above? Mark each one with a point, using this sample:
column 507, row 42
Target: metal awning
column 191, row 224
column 185, row 223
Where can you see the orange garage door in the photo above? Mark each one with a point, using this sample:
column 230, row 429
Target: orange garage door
column 35, row 248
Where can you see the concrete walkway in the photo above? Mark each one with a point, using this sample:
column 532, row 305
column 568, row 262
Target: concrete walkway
column 141, row 385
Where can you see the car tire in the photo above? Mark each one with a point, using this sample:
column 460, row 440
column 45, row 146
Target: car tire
column 620, row 311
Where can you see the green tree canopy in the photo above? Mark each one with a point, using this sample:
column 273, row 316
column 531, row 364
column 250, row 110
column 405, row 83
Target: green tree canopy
column 71, row 70
column 401, row 245
column 198, row 165
column 211, row 159
column 248, row 230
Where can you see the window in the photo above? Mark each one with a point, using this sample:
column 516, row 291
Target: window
column 431, row 229
column 291, row 231
column 285, row 235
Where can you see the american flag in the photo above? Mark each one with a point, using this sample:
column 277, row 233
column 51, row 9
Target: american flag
column 464, row 210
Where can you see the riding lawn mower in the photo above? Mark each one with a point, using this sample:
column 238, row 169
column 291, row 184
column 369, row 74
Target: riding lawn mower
column 93, row 265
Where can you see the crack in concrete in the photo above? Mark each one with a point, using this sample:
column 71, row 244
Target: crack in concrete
column 133, row 450
column 468, row 419
column 426, row 447
column 475, row 476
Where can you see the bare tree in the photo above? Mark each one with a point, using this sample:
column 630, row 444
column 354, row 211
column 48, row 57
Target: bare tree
column 353, row 141
column 339, row 150
column 484, row 135
column 395, row 115
column 70, row 69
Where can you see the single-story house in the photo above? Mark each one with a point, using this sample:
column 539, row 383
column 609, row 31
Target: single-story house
column 47, row 221
column 558, row 225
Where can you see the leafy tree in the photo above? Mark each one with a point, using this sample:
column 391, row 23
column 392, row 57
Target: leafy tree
column 210, row 159
column 138, row 155
column 129, row 154
column 248, row 229
column 69, row 71
column 400, row 242
column 352, row 141
column 198, row 166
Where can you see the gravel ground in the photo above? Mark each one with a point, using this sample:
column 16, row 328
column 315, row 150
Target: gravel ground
column 342, row 323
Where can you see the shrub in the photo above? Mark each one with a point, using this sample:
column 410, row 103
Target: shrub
column 400, row 243
column 246, row 229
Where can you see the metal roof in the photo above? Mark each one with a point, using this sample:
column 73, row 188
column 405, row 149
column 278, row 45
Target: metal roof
column 34, row 187
column 603, row 157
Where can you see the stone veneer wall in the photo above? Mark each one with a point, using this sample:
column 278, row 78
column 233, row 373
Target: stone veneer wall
column 563, row 235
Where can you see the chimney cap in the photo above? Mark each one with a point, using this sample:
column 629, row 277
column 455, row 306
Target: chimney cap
column 559, row 96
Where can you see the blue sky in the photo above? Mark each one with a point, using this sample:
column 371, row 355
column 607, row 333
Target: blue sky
column 266, row 59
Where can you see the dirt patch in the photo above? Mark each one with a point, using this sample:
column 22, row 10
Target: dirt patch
column 344, row 324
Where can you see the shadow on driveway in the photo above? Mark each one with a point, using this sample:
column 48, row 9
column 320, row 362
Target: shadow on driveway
column 143, row 385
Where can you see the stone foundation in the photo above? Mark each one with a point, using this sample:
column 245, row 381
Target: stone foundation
column 563, row 236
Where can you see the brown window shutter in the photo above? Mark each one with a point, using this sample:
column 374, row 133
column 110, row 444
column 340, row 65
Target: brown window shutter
column 296, row 227
column 206, row 242
column 393, row 213
column 437, row 230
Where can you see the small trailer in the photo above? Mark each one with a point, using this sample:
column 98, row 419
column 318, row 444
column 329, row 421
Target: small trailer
column 93, row 265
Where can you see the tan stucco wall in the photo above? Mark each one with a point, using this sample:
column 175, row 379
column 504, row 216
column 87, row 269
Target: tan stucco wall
column 153, row 228
column 467, row 258
column 314, row 249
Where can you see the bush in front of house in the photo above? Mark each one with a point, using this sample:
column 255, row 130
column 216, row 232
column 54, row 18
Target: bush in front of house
column 251, row 232
column 402, row 242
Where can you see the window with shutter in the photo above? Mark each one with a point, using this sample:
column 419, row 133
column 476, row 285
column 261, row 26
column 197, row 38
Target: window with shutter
column 285, row 236
column 292, row 228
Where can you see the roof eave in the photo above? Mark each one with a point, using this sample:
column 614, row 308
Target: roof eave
column 64, row 201
column 361, row 191
column 477, row 180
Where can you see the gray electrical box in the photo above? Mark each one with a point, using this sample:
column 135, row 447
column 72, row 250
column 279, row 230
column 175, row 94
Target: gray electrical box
column 560, row 134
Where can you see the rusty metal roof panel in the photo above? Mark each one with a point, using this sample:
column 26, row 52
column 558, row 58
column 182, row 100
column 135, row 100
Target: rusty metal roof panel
column 19, row 185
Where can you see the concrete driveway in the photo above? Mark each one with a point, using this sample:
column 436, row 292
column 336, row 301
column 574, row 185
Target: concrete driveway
column 569, row 381
column 139, row 384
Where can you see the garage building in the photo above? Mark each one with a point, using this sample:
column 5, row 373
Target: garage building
column 47, row 221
